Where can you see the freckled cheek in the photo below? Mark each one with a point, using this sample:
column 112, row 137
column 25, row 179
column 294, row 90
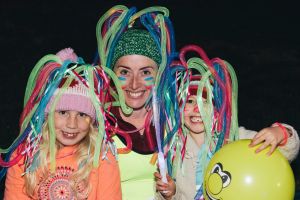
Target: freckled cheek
column 59, row 123
column 88, row 120
column 85, row 127
column 85, row 123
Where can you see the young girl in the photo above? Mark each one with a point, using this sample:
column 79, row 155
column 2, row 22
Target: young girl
column 59, row 153
column 187, row 180
column 185, row 186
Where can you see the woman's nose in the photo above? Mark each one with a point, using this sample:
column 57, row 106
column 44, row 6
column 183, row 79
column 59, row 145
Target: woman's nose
column 135, row 82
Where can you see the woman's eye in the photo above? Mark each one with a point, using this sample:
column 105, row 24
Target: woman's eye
column 146, row 72
column 124, row 72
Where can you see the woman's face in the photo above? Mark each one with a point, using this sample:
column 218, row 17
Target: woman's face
column 137, row 75
column 192, row 118
column 71, row 126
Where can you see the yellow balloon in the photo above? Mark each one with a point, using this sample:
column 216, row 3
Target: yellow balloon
column 236, row 172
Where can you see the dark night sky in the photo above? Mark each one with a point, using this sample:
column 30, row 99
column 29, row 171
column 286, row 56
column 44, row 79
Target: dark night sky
column 259, row 38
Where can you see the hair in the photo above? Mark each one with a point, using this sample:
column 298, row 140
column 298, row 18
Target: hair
column 83, row 155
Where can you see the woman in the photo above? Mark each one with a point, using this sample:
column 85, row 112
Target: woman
column 134, row 51
column 136, row 70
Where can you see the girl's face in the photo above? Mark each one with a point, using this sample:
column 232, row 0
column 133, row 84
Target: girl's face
column 137, row 75
column 192, row 118
column 71, row 126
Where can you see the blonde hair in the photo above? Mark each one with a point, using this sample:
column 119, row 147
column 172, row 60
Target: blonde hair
column 84, row 156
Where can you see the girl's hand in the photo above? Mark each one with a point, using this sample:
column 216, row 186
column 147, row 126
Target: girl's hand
column 271, row 136
column 167, row 190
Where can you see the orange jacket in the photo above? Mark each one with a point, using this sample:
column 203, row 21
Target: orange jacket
column 104, row 180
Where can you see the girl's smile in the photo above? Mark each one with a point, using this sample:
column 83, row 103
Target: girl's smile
column 71, row 127
column 192, row 117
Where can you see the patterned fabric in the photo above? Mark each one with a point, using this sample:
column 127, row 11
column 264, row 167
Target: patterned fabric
column 57, row 186
column 103, row 182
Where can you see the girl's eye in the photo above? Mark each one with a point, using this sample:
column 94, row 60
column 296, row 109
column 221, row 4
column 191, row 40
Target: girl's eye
column 62, row 112
column 82, row 114
column 190, row 101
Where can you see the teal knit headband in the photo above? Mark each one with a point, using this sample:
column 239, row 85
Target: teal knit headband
column 138, row 42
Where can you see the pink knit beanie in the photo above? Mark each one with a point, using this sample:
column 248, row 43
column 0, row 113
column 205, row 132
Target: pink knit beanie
column 76, row 96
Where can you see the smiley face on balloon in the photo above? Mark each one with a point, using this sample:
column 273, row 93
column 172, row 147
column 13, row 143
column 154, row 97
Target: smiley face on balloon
column 236, row 172
column 218, row 180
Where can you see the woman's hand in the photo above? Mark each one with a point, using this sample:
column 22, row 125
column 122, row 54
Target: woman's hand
column 271, row 136
column 167, row 190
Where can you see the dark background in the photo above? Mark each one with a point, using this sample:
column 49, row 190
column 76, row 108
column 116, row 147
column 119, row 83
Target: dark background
column 259, row 38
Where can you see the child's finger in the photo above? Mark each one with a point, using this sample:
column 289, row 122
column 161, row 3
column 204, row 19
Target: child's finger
column 162, row 187
column 157, row 175
column 169, row 178
column 161, row 184
column 272, row 149
column 257, row 140
column 260, row 133
column 262, row 147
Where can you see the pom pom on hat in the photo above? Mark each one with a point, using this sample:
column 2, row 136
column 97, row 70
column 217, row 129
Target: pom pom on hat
column 67, row 54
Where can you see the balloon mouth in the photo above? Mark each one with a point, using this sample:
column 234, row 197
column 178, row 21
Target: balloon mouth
column 207, row 192
column 210, row 197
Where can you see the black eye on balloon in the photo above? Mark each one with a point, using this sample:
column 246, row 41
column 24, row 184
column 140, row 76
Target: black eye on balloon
column 226, row 178
column 217, row 168
column 224, row 175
